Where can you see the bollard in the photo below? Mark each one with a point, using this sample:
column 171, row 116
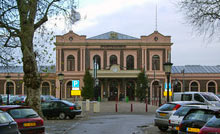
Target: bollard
column 146, row 108
column 96, row 107
column 131, row 107
column 87, row 105
column 116, row 107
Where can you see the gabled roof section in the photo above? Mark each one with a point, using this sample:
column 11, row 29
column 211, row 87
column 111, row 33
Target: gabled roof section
column 196, row 69
column 70, row 37
column 156, row 37
column 113, row 36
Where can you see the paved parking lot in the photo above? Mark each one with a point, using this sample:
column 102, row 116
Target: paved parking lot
column 106, row 108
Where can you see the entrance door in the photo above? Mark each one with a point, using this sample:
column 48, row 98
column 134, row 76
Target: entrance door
column 130, row 90
column 113, row 91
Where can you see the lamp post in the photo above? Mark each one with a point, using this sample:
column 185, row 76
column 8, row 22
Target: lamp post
column 183, row 71
column 148, row 93
column 60, row 77
column 8, row 78
column 160, row 87
column 167, row 69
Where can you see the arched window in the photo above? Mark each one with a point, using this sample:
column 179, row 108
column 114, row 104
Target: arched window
column 45, row 88
column 68, row 89
column 98, row 61
column 130, row 62
column 70, row 63
column 194, row 86
column 177, row 87
column 211, row 87
column 155, row 62
column 10, row 87
column 113, row 60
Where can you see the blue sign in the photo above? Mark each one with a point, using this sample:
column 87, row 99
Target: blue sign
column 75, row 84
column 166, row 86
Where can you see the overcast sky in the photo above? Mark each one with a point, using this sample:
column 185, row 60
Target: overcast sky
column 137, row 18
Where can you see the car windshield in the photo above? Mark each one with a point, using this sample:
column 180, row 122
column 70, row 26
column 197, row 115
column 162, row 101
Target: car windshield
column 5, row 118
column 214, row 122
column 167, row 107
column 182, row 111
column 203, row 115
column 23, row 113
column 208, row 97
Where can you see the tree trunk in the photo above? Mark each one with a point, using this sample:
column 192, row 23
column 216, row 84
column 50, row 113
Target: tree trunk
column 31, row 76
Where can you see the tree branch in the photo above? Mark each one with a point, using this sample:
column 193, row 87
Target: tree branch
column 44, row 18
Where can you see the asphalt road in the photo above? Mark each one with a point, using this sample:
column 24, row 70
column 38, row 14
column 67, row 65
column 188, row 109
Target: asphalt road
column 113, row 124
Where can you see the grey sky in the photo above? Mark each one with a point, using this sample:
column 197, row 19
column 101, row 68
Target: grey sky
column 137, row 18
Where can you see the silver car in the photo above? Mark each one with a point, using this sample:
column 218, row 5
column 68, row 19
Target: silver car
column 177, row 117
column 164, row 112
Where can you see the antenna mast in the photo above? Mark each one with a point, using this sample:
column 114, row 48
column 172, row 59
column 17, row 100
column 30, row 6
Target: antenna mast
column 156, row 16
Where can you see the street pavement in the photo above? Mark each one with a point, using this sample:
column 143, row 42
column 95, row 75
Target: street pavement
column 106, row 109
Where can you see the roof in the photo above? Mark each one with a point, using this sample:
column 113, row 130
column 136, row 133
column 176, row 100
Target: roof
column 19, row 69
column 7, row 107
column 113, row 36
column 196, row 69
column 188, row 69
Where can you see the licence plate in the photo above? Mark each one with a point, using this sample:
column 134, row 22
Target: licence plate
column 196, row 130
column 163, row 114
column 78, row 108
column 17, row 101
column 177, row 128
column 30, row 124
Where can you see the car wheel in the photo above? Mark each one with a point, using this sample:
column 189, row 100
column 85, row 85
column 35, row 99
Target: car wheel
column 163, row 128
column 72, row 116
column 62, row 116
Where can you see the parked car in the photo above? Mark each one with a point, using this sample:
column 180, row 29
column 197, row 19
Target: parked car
column 212, row 126
column 47, row 98
column 7, row 124
column 20, row 100
column 11, row 99
column 178, row 116
column 195, row 119
column 29, row 122
column 204, row 97
column 61, row 109
column 164, row 112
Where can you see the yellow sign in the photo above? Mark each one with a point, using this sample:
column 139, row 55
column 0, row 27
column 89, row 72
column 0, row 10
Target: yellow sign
column 165, row 93
column 196, row 130
column 76, row 92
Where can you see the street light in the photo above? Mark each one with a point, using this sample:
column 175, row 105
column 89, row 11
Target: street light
column 167, row 68
column 8, row 79
column 60, row 77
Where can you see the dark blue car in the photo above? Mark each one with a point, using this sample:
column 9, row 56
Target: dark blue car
column 7, row 124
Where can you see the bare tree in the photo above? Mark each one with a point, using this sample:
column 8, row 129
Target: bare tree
column 203, row 15
column 19, row 21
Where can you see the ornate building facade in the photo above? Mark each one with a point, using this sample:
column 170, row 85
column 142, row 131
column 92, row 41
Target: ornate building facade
column 119, row 59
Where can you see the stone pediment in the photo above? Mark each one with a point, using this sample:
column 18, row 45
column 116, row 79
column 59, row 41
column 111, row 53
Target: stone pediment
column 156, row 37
column 70, row 37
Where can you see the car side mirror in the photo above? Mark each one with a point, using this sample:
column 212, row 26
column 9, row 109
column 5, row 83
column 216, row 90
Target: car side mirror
column 217, row 114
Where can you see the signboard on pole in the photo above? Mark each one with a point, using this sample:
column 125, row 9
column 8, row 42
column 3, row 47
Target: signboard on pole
column 75, row 88
column 170, row 90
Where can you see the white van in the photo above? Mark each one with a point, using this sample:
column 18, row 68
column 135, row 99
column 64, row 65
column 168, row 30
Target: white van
column 205, row 97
